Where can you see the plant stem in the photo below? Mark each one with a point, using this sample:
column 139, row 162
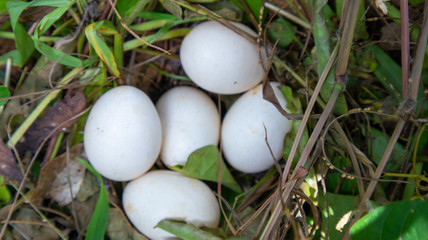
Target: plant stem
column 41, row 107
column 288, row 15
column 308, row 113
column 419, row 58
column 349, row 18
column 405, row 45
column 404, row 111
column 294, row 182
column 378, row 173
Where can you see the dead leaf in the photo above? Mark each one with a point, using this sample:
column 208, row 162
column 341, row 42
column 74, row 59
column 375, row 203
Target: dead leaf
column 118, row 227
column 27, row 224
column 55, row 175
column 67, row 182
column 8, row 166
column 57, row 115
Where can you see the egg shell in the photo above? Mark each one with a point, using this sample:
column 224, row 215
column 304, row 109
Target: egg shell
column 190, row 120
column 163, row 194
column 243, row 132
column 123, row 135
column 220, row 60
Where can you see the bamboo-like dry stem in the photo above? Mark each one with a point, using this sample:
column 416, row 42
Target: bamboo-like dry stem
column 405, row 45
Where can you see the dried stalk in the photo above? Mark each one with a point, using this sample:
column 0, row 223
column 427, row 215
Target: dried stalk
column 407, row 107
column 405, row 45
column 349, row 19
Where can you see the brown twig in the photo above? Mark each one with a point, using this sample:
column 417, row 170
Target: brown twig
column 404, row 113
column 405, row 45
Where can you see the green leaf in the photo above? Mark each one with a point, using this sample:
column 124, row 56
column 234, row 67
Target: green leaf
column 379, row 144
column 57, row 56
column 405, row 220
column 185, row 231
column 283, row 31
column 98, row 224
column 172, row 7
column 5, row 194
column 101, row 48
column 338, row 206
column 203, row 164
column 48, row 20
column 4, row 93
column 323, row 51
column 294, row 105
column 387, row 71
column 24, row 43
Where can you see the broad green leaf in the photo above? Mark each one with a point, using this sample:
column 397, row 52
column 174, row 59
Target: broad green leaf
column 203, row 164
column 334, row 178
column 253, row 5
column 101, row 48
column 388, row 71
column 282, row 31
column 23, row 41
column 3, row 6
column 389, row 74
column 4, row 93
column 57, row 56
column 98, row 224
column 405, row 220
column 338, row 206
column 16, row 58
column 379, row 143
column 5, row 194
column 185, row 231
column 125, row 7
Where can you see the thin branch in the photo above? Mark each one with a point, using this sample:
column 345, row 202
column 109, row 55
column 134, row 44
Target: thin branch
column 405, row 45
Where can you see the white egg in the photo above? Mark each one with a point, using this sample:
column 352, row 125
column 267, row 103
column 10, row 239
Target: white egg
column 243, row 131
column 220, row 60
column 190, row 120
column 123, row 134
column 162, row 194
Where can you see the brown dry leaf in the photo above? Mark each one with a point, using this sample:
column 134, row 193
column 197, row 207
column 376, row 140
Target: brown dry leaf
column 59, row 114
column 269, row 95
column 27, row 224
column 118, row 227
column 68, row 182
column 57, row 175
column 8, row 166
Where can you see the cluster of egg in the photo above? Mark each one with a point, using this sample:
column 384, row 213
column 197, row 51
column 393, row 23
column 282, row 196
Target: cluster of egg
column 125, row 132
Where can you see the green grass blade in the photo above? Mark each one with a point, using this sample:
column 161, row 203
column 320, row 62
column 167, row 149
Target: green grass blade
column 98, row 224
column 131, row 44
column 41, row 107
column 57, row 56
column 4, row 93
column 101, row 48
column 48, row 20
column 185, row 231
